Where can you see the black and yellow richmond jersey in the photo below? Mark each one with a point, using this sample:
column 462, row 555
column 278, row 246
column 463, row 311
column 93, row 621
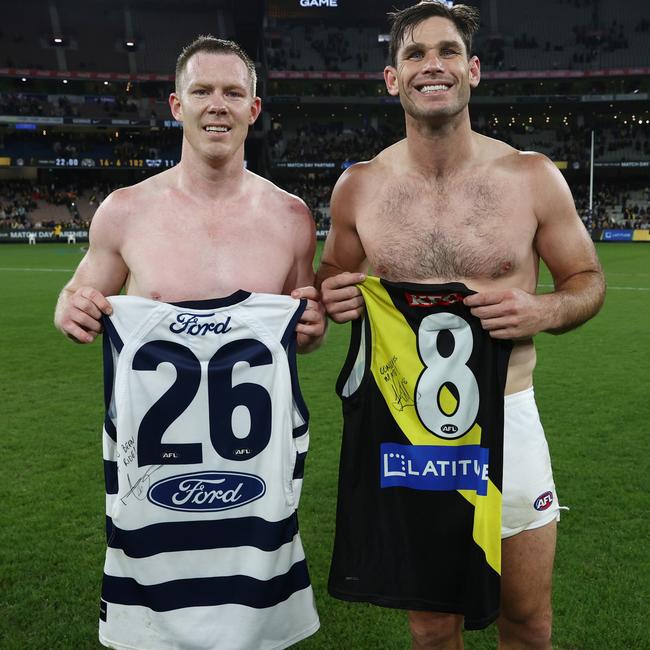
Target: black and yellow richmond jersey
column 419, row 507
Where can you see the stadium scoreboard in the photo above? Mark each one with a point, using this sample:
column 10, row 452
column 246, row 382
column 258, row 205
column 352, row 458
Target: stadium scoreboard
column 90, row 163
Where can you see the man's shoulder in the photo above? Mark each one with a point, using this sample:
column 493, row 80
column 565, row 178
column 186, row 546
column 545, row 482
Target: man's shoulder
column 121, row 197
column 508, row 158
column 364, row 176
column 277, row 201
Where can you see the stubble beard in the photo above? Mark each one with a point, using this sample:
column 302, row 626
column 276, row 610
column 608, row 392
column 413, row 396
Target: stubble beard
column 435, row 114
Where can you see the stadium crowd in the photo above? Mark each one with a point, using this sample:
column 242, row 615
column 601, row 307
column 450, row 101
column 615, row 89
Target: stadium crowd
column 341, row 143
column 33, row 205
column 28, row 204
column 58, row 105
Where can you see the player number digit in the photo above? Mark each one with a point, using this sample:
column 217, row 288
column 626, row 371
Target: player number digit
column 447, row 394
column 151, row 451
column 225, row 398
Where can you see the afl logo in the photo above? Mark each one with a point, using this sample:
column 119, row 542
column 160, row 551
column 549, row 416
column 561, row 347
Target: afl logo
column 449, row 428
column 206, row 491
column 544, row 501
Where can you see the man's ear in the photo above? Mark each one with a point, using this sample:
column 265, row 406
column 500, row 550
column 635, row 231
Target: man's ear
column 390, row 77
column 256, row 109
column 175, row 107
column 474, row 71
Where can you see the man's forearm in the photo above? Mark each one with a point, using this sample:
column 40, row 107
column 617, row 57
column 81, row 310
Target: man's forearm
column 574, row 302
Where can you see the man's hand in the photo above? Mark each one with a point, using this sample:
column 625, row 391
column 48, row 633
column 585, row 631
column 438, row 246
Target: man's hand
column 511, row 314
column 78, row 314
column 343, row 301
column 313, row 322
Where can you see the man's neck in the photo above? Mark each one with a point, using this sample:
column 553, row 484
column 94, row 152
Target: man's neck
column 210, row 179
column 439, row 149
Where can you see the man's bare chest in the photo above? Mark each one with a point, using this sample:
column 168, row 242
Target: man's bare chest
column 464, row 230
column 191, row 258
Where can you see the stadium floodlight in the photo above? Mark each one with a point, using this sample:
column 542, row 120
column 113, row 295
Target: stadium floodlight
column 130, row 44
column 57, row 41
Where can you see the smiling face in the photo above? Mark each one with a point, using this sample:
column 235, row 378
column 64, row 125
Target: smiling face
column 433, row 76
column 215, row 104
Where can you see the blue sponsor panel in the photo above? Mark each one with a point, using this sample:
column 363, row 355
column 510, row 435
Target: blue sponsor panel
column 207, row 491
column 433, row 467
column 617, row 235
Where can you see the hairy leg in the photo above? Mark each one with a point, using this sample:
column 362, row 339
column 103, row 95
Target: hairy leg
column 436, row 631
column 526, row 576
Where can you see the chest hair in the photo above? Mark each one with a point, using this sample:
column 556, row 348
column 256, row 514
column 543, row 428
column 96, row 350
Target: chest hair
column 442, row 230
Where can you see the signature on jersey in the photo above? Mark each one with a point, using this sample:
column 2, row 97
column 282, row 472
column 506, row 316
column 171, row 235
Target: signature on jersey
column 391, row 374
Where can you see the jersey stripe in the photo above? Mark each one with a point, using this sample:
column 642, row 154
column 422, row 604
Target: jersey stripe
column 198, row 535
column 201, row 592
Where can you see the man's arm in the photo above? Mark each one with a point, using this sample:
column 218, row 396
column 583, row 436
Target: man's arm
column 343, row 263
column 313, row 323
column 101, row 272
column 565, row 246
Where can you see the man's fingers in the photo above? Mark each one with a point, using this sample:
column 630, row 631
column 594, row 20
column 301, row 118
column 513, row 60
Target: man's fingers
column 488, row 311
column 338, row 295
column 312, row 316
column 88, row 322
column 79, row 335
column 85, row 311
column 310, row 293
column 342, row 280
column 484, row 298
column 504, row 334
column 345, row 316
column 351, row 296
column 338, row 307
column 97, row 300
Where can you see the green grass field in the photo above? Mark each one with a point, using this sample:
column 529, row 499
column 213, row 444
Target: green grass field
column 591, row 387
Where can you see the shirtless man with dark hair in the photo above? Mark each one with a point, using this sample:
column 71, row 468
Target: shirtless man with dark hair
column 447, row 204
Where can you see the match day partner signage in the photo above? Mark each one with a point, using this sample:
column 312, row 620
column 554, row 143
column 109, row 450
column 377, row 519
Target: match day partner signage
column 47, row 236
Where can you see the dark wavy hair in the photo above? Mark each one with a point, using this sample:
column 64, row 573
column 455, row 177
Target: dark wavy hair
column 403, row 22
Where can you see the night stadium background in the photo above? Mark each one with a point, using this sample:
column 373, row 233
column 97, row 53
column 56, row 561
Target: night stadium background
column 83, row 110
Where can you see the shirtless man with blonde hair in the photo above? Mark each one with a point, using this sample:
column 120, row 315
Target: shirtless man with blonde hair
column 206, row 433
column 447, row 204
column 206, row 227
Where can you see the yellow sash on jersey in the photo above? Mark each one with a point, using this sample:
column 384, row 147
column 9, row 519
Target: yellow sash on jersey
column 396, row 366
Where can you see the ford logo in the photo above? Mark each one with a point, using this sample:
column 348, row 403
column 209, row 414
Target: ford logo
column 544, row 501
column 206, row 491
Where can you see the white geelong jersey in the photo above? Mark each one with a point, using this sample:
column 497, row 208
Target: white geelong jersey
column 205, row 439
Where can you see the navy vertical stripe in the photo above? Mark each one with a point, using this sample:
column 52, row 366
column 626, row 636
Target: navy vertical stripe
column 110, row 428
column 109, row 329
column 299, row 467
column 110, row 476
column 207, row 592
column 295, row 386
column 111, row 338
column 289, row 332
